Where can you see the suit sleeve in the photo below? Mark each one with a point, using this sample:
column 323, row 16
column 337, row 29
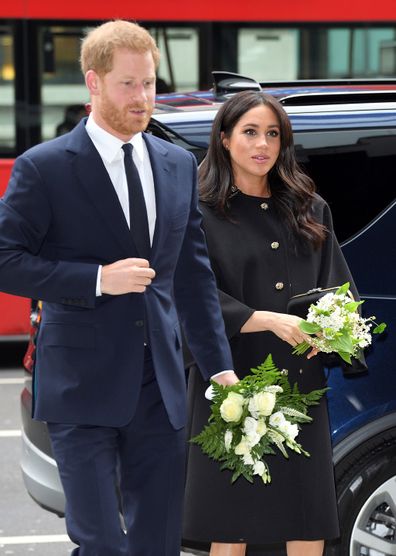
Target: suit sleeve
column 25, row 220
column 196, row 296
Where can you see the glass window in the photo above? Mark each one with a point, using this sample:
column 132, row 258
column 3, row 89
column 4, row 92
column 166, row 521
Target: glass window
column 178, row 69
column 63, row 91
column 7, row 107
column 361, row 52
column 268, row 54
column 352, row 170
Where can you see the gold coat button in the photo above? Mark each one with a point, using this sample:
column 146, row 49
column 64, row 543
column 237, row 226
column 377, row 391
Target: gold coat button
column 264, row 206
column 279, row 285
column 274, row 245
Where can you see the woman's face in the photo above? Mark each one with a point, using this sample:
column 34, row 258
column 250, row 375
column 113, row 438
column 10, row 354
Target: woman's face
column 254, row 144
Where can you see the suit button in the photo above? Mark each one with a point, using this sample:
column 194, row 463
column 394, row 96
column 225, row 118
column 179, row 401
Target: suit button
column 264, row 206
column 139, row 323
column 279, row 286
column 274, row 245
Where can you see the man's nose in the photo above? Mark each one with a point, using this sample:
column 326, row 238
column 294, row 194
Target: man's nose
column 139, row 92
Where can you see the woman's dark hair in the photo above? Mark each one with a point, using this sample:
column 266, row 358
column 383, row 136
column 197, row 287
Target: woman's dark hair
column 292, row 191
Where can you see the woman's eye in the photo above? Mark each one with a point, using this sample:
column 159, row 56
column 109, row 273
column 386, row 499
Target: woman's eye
column 250, row 131
column 273, row 133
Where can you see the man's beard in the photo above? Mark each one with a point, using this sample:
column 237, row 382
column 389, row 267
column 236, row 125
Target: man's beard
column 120, row 120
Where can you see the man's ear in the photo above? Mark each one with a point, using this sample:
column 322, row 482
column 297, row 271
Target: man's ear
column 92, row 81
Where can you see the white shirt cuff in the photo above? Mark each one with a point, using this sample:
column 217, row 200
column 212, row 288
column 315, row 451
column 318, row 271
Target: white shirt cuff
column 222, row 373
column 209, row 389
column 98, row 278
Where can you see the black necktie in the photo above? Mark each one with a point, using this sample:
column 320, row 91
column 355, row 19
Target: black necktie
column 137, row 206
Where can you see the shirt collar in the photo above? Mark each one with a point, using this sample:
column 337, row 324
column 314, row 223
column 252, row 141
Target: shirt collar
column 109, row 146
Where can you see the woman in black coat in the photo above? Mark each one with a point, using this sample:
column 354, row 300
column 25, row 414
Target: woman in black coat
column 270, row 236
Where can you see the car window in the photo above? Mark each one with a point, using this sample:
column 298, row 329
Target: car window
column 353, row 170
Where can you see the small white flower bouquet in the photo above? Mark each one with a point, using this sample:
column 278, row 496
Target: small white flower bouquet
column 336, row 326
column 251, row 418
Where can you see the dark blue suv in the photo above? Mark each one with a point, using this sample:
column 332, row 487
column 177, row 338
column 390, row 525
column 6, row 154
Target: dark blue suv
column 345, row 137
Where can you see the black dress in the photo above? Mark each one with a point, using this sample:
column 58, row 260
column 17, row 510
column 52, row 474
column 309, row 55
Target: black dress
column 257, row 268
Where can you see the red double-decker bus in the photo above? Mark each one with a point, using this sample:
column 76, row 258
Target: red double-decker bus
column 42, row 92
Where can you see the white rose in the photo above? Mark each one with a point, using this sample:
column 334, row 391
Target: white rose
column 227, row 440
column 277, row 420
column 258, row 468
column 262, row 404
column 232, row 407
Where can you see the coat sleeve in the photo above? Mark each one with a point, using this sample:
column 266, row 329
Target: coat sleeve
column 235, row 313
column 334, row 271
column 196, row 296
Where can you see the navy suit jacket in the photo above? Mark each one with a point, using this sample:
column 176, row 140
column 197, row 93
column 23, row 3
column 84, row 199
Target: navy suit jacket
column 59, row 219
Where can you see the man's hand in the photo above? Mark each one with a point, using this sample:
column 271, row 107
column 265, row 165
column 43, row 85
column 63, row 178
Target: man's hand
column 226, row 379
column 126, row 276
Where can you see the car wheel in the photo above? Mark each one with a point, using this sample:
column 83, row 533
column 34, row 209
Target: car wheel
column 366, row 487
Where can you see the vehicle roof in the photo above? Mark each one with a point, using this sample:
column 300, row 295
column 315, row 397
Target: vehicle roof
column 328, row 104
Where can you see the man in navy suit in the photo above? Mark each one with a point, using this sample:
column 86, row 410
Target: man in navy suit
column 109, row 376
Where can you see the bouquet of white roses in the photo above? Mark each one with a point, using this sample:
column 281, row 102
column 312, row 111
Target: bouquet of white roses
column 337, row 327
column 252, row 417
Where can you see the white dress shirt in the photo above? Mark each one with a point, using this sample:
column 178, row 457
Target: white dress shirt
column 110, row 150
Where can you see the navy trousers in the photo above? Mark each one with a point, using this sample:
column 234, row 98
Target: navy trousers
column 144, row 461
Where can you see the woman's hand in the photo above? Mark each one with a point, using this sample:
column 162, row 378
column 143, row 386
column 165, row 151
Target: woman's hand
column 283, row 325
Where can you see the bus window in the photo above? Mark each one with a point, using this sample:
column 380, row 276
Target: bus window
column 268, row 54
column 7, row 108
column 178, row 67
column 62, row 81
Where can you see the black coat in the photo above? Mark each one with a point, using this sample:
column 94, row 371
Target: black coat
column 258, row 267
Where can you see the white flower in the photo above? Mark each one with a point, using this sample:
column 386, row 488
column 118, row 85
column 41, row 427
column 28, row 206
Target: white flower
column 250, row 425
column 242, row 448
column 262, row 404
column 227, row 440
column 261, row 427
column 232, row 407
column 250, row 430
column 252, row 439
column 258, row 468
column 290, row 430
column 247, row 459
column 277, row 420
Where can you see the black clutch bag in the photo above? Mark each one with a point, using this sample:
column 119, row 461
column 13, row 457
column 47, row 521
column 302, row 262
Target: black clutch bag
column 299, row 305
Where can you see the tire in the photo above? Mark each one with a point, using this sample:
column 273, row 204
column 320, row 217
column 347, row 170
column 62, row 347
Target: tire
column 366, row 490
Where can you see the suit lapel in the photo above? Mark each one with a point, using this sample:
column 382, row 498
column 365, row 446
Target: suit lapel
column 165, row 188
column 96, row 182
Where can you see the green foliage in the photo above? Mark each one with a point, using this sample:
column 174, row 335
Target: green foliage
column 289, row 401
column 379, row 328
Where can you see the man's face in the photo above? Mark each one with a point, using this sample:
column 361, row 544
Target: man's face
column 125, row 96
